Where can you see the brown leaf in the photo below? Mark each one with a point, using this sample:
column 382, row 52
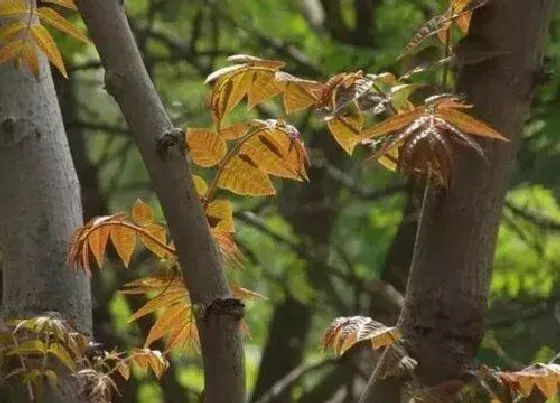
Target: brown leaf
column 242, row 176
column 205, row 146
column 344, row 332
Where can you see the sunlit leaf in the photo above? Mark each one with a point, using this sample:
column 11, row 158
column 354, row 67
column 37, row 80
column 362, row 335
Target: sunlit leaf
column 98, row 242
column 395, row 122
column 277, row 152
column 200, row 185
column 234, row 132
column 124, row 240
column 9, row 30
column 51, row 17
column 263, row 87
column 242, row 176
column 221, row 212
column 63, row 3
column 11, row 50
column 142, row 213
column 30, row 59
column 347, row 130
column 244, row 293
column 468, row 124
column 298, row 93
column 46, row 43
column 205, row 146
column 156, row 240
column 28, row 347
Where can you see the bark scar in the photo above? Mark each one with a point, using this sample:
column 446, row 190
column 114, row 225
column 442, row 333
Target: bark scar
column 225, row 306
column 169, row 139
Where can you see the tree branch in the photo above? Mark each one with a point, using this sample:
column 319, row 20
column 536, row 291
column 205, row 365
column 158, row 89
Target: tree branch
column 170, row 173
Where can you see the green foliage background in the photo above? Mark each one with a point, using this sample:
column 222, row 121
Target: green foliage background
column 524, row 319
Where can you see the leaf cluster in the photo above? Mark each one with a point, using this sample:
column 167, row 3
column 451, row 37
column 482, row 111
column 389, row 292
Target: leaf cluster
column 33, row 350
column 24, row 33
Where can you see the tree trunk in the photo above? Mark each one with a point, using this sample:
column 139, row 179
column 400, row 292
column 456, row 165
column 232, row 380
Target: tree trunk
column 447, row 294
column 162, row 149
column 40, row 203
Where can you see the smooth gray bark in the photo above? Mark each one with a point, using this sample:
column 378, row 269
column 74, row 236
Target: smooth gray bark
column 40, row 207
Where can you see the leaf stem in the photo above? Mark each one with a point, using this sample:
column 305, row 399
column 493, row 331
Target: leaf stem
column 210, row 194
column 445, row 56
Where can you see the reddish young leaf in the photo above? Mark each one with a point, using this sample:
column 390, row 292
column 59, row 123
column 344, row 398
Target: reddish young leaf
column 344, row 332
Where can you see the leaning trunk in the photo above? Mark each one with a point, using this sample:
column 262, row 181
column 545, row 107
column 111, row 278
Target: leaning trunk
column 40, row 203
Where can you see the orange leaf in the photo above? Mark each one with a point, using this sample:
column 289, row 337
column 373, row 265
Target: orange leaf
column 228, row 248
column 124, row 240
column 274, row 151
column 298, row 93
column 469, row 124
column 29, row 57
column 229, row 92
column 141, row 212
column 234, row 132
column 242, row 176
column 57, row 21
column 11, row 50
column 221, row 211
column 97, row 240
column 205, row 146
column 47, row 44
column 393, row 123
column 263, row 87
column 347, row 130
column 157, row 233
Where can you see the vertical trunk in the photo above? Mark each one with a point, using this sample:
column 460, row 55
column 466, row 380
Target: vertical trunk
column 442, row 322
column 447, row 295
column 40, row 203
